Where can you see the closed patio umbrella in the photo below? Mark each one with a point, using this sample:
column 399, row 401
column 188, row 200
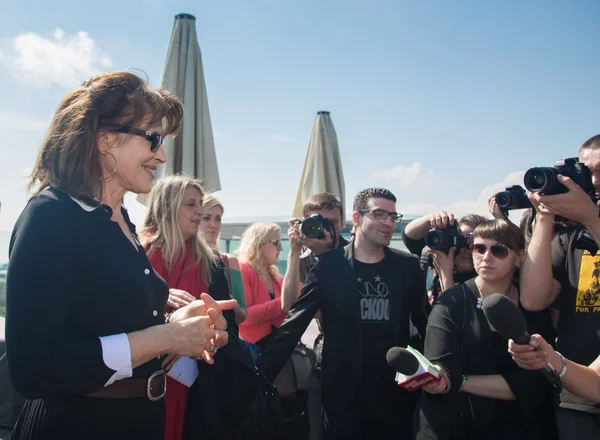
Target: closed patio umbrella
column 193, row 150
column 323, row 166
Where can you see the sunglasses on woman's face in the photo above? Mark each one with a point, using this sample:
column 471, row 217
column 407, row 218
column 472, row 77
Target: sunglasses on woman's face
column 277, row 243
column 156, row 139
column 498, row 251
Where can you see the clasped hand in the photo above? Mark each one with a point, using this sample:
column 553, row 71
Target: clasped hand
column 201, row 329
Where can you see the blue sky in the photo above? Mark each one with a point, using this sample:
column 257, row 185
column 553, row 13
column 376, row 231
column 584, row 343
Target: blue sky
column 442, row 102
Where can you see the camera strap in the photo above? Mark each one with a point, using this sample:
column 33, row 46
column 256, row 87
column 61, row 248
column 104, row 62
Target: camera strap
column 335, row 238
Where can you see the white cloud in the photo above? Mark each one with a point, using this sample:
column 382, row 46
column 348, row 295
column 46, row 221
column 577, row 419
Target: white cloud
column 13, row 121
column 66, row 60
column 283, row 138
column 413, row 176
column 476, row 206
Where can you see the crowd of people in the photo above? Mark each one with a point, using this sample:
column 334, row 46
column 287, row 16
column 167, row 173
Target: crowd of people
column 152, row 332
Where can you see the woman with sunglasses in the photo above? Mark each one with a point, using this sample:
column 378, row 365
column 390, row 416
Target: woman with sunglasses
column 259, row 252
column 483, row 394
column 86, row 329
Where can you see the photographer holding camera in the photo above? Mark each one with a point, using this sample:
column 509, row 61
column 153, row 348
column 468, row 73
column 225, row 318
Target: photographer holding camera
column 308, row 238
column 367, row 293
column 448, row 246
column 565, row 271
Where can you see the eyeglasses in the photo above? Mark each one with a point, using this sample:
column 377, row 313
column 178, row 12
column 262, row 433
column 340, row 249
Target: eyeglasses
column 277, row 243
column 498, row 251
column 156, row 139
column 382, row 214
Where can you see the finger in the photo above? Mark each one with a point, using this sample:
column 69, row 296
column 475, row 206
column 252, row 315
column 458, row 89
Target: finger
column 529, row 357
column 185, row 296
column 172, row 304
column 451, row 252
column 170, row 361
column 567, row 181
column 221, row 338
column 207, row 357
column 293, row 222
column 218, row 305
column 451, row 218
column 519, row 348
column 219, row 322
column 181, row 302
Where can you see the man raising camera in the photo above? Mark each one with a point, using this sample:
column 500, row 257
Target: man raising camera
column 565, row 274
column 323, row 222
column 366, row 293
column 450, row 267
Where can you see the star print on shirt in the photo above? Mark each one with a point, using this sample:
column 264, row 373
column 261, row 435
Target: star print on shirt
column 359, row 280
column 377, row 278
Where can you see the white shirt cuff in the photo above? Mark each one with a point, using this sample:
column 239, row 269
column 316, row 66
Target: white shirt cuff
column 116, row 355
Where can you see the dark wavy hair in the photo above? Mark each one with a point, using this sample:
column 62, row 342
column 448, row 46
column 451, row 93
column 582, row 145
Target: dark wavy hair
column 69, row 159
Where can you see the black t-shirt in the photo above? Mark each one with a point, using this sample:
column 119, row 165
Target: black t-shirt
column 377, row 332
column 578, row 331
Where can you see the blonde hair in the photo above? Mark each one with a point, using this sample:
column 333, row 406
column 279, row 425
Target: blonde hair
column 249, row 250
column 210, row 202
column 69, row 159
column 161, row 229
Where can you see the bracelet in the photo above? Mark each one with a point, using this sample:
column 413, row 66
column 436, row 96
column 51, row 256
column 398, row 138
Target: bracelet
column 168, row 317
column 563, row 371
column 464, row 380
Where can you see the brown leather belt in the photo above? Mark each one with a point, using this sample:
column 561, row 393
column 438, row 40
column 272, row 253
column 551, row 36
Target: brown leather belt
column 154, row 388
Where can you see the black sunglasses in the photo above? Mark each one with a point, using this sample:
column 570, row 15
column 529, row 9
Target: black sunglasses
column 156, row 139
column 498, row 251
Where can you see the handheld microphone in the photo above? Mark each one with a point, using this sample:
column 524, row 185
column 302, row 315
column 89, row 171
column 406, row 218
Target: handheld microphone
column 402, row 361
column 413, row 371
column 509, row 322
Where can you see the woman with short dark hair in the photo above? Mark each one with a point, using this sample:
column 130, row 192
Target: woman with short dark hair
column 483, row 394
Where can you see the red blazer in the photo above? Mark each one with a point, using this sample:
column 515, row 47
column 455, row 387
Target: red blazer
column 263, row 312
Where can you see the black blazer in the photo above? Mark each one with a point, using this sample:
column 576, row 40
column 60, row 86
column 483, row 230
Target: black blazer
column 331, row 287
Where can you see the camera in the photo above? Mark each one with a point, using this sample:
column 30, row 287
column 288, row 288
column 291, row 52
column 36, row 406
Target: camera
column 444, row 239
column 314, row 226
column 513, row 197
column 544, row 180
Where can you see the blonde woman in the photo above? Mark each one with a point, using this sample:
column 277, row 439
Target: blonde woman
column 210, row 231
column 185, row 262
column 259, row 251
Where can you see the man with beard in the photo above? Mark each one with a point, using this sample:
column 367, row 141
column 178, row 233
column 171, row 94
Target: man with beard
column 367, row 293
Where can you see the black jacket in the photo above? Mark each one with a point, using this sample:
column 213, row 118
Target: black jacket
column 331, row 287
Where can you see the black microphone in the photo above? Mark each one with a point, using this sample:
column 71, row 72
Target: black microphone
column 509, row 322
column 402, row 361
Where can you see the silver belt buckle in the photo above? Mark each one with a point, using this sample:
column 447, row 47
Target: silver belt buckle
column 149, row 389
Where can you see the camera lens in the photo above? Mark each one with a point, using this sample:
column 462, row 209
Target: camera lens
column 433, row 239
column 312, row 228
column 503, row 199
column 540, row 180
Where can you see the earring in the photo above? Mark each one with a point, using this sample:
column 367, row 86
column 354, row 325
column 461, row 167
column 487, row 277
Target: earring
column 115, row 170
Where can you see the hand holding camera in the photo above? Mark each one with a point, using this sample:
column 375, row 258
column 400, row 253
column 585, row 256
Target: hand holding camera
column 513, row 197
column 565, row 190
column 316, row 233
column 294, row 236
column 441, row 220
column 445, row 238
